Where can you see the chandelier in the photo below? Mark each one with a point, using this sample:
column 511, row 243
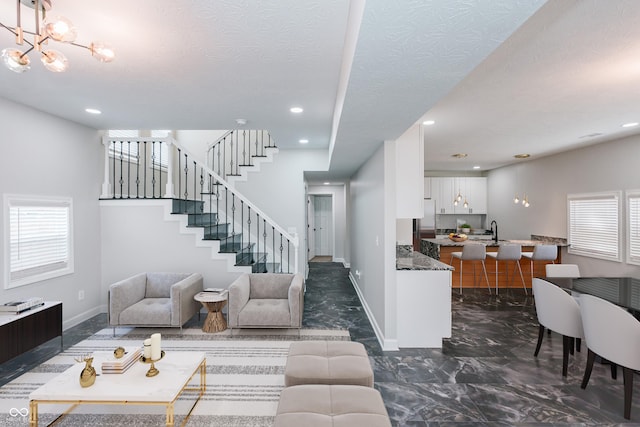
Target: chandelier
column 47, row 28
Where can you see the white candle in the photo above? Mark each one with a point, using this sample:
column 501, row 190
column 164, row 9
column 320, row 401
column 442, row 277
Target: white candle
column 155, row 347
column 147, row 348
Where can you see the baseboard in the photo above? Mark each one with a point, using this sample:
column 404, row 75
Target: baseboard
column 386, row 344
column 76, row 320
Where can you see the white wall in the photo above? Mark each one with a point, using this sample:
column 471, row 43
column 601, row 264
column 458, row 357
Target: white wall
column 278, row 190
column 339, row 217
column 547, row 181
column 137, row 238
column 197, row 141
column 372, row 223
column 46, row 155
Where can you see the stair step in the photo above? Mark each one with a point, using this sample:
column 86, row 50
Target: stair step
column 231, row 244
column 245, row 255
column 202, row 219
column 253, row 259
column 216, row 232
column 182, row 206
column 272, row 267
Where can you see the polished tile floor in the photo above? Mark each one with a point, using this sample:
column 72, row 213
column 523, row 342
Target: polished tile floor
column 485, row 375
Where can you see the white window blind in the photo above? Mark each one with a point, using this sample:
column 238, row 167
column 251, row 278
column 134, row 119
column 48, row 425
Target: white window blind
column 160, row 150
column 633, row 218
column 594, row 221
column 40, row 242
column 125, row 145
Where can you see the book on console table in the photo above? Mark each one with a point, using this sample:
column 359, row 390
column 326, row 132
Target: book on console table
column 118, row 366
column 15, row 307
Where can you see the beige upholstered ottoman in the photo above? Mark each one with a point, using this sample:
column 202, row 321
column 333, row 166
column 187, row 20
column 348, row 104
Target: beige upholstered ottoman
column 328, row 362
column 321, row 405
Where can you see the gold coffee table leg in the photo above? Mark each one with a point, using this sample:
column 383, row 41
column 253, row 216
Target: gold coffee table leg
column 33, row 414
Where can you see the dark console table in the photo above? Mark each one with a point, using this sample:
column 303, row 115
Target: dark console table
column 22, row 332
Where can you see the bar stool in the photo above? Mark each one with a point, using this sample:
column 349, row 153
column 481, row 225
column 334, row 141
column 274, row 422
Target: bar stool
column 541, row 253
column 509, row 252
column 472, row 252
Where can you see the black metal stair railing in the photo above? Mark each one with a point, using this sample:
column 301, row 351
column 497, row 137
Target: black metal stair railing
column 138, row 169
column 236, row 149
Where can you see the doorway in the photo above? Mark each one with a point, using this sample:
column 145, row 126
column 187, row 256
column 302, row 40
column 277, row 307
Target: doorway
column 320, row 228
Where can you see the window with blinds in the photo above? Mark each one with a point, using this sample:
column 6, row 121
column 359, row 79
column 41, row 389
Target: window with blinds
column 124, row 148
column 633, row 226
column 594, row 225
column 40, row 244
column 160, row 151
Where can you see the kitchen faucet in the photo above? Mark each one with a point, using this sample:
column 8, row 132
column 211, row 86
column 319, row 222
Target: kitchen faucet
column 494, row 233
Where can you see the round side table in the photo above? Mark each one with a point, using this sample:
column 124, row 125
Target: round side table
column 213, row 302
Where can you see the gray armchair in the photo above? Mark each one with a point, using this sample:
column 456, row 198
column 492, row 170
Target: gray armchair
column 154, row 299
column 266, row 300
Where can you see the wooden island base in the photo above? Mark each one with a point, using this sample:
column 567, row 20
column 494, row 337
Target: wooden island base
column 513, row 280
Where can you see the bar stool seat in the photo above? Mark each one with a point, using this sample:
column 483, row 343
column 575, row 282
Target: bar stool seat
column 541, row 253
column 509, row 252
column 472, row 252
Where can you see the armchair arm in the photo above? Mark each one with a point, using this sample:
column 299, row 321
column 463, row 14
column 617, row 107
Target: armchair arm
column 238, row 297
column 183, row 306
column 296, row 300
column 123, row 294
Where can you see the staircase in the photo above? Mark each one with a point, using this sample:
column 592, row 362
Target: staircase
column 135, row 170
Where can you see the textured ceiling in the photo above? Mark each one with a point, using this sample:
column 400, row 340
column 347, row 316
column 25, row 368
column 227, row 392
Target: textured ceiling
column 499, row 77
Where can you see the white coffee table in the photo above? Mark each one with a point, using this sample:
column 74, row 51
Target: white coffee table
column 177, row 368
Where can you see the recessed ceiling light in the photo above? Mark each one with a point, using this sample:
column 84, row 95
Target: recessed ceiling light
column 296, row 110
column 522, row 156
column 459, row 155
column 92, row 111
column 630, row 125
column 476, row 167
column 327, row 183
column 303, row 141
column 428, row 122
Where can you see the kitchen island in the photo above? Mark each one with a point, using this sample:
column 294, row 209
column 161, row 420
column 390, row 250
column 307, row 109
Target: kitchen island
column 441, row 250
column 423, row 299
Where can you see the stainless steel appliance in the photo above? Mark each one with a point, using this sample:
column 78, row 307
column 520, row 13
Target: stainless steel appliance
column 425, row 227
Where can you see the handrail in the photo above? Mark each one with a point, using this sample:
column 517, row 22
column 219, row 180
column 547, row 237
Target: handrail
column 293, row 239
column 141, row 166
column 229, row 153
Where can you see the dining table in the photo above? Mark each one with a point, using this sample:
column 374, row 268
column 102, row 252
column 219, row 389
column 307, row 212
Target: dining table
column 622, row 291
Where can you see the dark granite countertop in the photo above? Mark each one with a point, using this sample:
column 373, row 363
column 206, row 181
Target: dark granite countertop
column 407, row 259
column 491, row 243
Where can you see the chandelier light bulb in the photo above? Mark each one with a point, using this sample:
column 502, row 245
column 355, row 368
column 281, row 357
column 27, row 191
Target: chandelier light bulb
column 459, row 196
column 102, row 52
column 60, row 29
column 455, row 202
column 524, row 200
column 466, row 204
column 54, row 61
column 15, row 61
column 516, row 200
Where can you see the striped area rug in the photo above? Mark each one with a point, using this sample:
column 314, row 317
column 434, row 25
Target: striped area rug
column 245, row 375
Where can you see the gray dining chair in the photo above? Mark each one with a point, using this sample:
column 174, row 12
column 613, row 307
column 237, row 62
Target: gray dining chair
column 541, row 253
column 562, row 270
column 472, row 252
column 558, row 312
column 613, row 334
column 506, row 253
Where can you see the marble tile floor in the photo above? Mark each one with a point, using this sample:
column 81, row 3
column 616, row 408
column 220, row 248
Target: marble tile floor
column 485, row 375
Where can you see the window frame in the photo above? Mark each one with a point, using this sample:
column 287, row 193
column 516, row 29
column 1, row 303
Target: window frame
column 633, row 242
column 67, row 266
column 582, row 251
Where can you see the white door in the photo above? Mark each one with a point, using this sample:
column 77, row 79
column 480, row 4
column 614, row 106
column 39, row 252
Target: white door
column 323, row 225
column 311, row 241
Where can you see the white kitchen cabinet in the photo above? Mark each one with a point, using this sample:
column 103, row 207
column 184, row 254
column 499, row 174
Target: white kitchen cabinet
column 427, row 187
column 477, row 195
column 442, row 192
column 445, row 189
